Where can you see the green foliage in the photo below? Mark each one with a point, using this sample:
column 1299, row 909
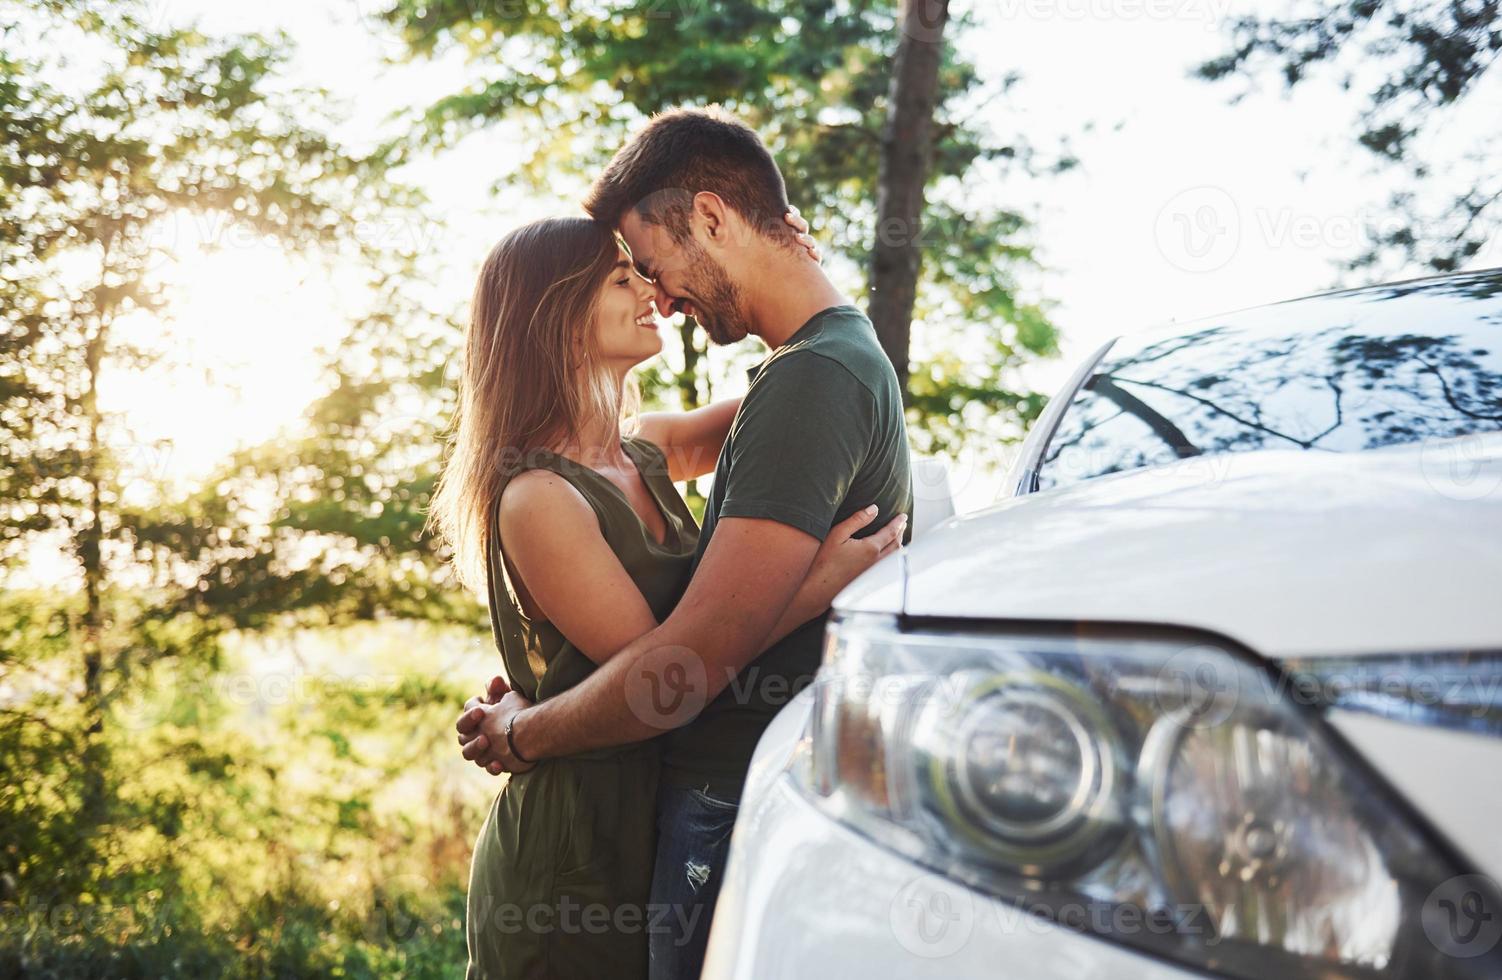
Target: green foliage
column 1415, row 64
column 325, row 524
column 158, row 820
column 275, row 815
column 175, row 121
column 171, row 121
column 812, row 78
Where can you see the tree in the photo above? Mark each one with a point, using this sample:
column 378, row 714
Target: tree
column 814, row 79
column 134, row 795
column 155, row 821
column 906, row 147
column 95, row 160
column 1417, row 64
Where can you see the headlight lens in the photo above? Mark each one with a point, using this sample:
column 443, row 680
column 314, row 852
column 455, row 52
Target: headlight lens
column 1022, row 765
column 1170, row 778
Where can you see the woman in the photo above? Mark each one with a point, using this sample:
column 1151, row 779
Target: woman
column 584, row 545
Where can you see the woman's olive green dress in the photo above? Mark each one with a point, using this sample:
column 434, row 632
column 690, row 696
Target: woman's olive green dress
column 561, row 872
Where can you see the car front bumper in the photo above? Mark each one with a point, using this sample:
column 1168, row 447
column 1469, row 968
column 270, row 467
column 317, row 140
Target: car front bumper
column 805, row 896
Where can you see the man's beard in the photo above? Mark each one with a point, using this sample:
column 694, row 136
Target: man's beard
column 717, row 300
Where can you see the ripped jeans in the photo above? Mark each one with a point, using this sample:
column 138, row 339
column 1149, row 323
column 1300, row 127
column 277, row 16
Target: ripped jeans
column 693, row 840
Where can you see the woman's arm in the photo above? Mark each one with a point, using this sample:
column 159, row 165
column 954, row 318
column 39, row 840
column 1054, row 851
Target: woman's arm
column 565, row 571
column 840, row 560
column 691, row 441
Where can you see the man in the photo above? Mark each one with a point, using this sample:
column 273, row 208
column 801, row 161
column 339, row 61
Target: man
column 699, row 202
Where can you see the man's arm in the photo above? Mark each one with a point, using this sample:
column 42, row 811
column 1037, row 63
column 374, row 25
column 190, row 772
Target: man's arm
column 748, row 576
column 840, row 559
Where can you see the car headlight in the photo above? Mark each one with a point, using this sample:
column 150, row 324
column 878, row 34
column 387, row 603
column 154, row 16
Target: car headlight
column 1171, row 778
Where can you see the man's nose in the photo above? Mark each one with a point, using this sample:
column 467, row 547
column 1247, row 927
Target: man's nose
column 664, row 302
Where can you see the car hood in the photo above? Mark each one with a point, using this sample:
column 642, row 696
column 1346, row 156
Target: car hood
column 1290, row 553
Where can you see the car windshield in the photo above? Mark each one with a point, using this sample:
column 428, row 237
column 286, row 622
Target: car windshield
column 1339, row 373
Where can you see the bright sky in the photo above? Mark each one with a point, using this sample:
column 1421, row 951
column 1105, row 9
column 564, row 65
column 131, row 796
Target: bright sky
column 1184, row 204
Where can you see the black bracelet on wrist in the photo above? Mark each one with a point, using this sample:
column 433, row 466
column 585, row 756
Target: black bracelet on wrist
column 511, row 742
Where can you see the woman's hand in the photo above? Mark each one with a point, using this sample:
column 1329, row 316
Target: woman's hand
column 842, row 557
column 793, row 218
column 482, row 728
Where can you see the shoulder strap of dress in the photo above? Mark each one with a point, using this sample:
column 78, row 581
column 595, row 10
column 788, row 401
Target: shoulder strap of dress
column 494, row 576
column 654, row 459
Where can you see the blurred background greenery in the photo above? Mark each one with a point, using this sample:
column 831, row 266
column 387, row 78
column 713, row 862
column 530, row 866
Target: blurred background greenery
column 224, row 699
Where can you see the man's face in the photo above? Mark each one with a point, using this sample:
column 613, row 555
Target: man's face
column 688, row 279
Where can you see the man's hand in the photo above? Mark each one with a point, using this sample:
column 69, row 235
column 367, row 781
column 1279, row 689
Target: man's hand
column 482, row 729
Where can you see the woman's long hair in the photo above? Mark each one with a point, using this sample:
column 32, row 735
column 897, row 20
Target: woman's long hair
column 529, row 344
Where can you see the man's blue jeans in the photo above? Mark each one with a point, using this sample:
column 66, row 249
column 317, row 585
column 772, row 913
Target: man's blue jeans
column 693, row 841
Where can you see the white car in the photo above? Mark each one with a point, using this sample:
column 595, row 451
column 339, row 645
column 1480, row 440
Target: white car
column 1216, row 692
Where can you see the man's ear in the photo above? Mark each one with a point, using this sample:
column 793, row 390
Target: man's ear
column 711, row 215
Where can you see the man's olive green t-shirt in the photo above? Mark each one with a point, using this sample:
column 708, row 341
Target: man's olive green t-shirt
column 818, row 436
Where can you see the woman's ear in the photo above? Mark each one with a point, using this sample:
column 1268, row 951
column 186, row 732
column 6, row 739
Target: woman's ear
column 578, row 344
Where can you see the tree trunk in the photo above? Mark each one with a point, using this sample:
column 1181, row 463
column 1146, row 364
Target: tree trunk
column 90, row 547
column 688, row 393
column 94, row 760
column 906, row 151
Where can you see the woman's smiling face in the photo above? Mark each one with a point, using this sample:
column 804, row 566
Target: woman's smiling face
column 625, row 321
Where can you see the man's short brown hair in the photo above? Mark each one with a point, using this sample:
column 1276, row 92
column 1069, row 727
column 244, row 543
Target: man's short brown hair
column 680, row 153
